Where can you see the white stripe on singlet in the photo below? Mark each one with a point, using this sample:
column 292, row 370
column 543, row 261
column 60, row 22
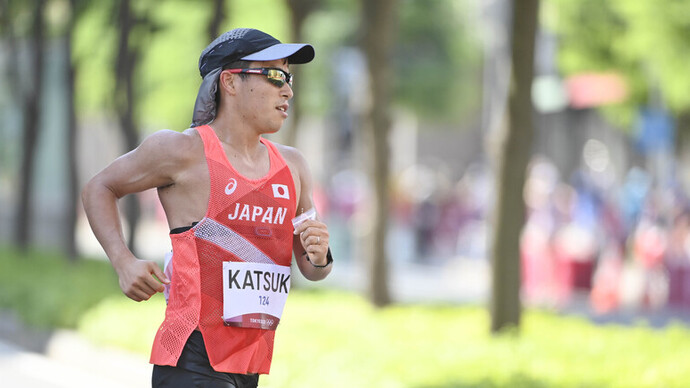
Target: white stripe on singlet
column 226, row 238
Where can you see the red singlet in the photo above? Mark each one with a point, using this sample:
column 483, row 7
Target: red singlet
column 246, row 221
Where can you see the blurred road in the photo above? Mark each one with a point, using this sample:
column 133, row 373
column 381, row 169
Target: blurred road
column 458, row 281
column 71, row 362
column 23, row 369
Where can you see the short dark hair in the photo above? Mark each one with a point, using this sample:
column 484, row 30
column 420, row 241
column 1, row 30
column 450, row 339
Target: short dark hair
column 240, row 64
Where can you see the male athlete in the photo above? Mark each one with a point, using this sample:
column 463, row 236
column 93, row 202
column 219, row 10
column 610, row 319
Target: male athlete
column 231, row 199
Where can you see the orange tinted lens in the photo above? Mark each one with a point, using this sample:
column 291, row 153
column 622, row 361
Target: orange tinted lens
column 278, row 77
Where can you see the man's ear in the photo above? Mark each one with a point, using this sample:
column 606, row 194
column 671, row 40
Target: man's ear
column 226, row 82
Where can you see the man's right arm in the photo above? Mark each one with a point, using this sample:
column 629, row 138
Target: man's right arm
column 150, row 165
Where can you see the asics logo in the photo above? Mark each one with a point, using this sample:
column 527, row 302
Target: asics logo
column 230, row 188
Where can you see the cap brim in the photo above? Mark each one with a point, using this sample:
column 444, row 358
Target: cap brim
column 296, row 53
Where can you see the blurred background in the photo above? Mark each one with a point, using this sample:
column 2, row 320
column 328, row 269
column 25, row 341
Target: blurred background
column 491, row 153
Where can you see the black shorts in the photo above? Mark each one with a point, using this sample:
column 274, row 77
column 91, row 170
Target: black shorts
column 194, row 370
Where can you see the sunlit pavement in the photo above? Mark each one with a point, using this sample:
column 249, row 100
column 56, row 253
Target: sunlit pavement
column 70, row 362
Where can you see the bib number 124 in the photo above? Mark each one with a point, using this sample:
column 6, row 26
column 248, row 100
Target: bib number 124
column 263, row 300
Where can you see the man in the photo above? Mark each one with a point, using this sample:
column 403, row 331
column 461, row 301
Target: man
column 229, row 197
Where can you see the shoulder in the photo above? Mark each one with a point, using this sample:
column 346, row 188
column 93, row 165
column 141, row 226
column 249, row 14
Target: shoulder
column 158, row 161
column 293, row 157
column 169, row 138
column 172, row 143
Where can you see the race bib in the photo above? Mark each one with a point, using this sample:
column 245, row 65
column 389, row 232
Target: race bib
column 254, row 294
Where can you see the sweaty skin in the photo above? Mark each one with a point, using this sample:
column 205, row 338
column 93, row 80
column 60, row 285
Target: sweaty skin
column 175, row 164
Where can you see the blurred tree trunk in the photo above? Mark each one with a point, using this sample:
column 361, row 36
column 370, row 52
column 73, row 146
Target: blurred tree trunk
column 217, row 18
column 682, row 133
column 70, row 243
column 7, row 30
column 299, row 11
column 513, row 156
column 125, row 100
column 31, row 116
column 379, row 21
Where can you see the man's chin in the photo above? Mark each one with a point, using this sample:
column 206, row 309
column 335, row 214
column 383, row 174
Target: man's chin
column 272, row 130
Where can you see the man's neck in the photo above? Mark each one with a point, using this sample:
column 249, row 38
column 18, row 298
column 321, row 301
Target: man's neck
column 240, row 139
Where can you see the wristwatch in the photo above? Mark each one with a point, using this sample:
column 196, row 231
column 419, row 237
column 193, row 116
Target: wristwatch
column 329, row 259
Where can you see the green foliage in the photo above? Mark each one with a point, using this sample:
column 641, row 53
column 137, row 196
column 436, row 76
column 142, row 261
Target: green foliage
column 121, row 322
column 351, row 344
column 334, row 339
column 94, row 43
column 645, row 40
column 658, row 39
column 270, row 16
column 167, row 78
column 169, row 74
column 329, row 29
column 46, row 290
column 437, row 62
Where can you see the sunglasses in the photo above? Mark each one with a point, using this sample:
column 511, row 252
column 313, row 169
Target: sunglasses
column 275, row 76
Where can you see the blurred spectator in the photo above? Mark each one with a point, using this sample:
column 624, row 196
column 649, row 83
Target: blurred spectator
column 649, row 244
column 605, row 295
column 633, row 194
column 677, row 261
column 474, row 193
column 623, row 245
column 538, row 267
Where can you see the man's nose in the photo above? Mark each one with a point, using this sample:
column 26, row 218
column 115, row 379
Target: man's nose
column 286, row 91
